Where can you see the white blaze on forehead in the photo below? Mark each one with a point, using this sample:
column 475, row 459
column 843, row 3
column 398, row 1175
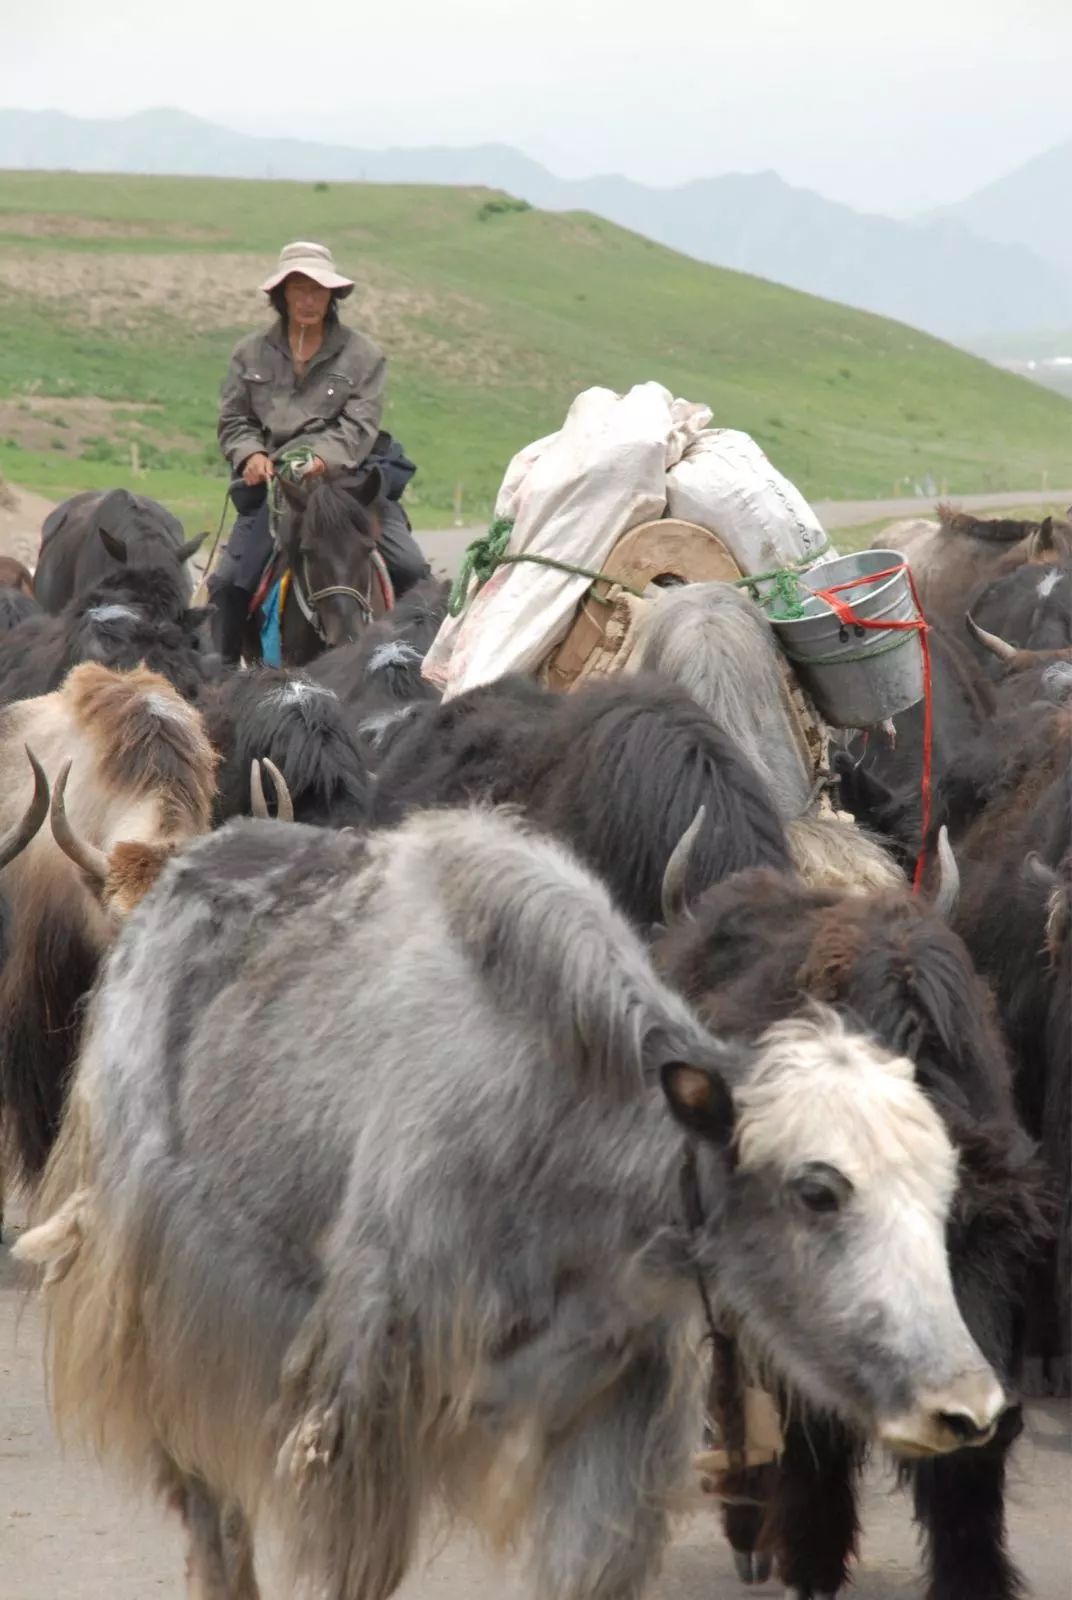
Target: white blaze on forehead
column 166, row 709
column 1049, row 581
column 297, row 693
column 822, row 1093
column 113, row 613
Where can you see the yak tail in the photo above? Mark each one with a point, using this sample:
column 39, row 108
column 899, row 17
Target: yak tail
column 829, row 853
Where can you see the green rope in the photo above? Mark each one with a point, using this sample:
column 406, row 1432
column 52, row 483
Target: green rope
column 480, row 560
column 291, row 464
column 784, row 587
column 486, row 554
column 838, row 658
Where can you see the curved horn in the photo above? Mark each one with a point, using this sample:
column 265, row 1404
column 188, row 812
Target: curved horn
column 677, row 870
column 116, row 548
column 948, row 876
column 190, row 548
column 16, row 840
column 284, row 805
column 989, row 641
column 93, row 862
column 1037, row 872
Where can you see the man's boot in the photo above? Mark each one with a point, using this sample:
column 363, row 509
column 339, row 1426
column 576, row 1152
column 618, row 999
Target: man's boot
column 229, row 621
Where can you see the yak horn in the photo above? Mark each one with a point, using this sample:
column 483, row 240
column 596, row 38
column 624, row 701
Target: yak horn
column 948, row 876
column 989, row 641
column 93, row 862
column 14, row 842
column 284, row 805
column 1037, row 872
column 677, row 870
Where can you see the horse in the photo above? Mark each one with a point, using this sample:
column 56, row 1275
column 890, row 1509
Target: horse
column 331, row 578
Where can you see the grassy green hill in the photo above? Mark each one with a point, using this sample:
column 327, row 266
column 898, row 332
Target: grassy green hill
column 120, row 298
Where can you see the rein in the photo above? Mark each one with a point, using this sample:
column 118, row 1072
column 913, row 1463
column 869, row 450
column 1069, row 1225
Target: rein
column 694, row 1220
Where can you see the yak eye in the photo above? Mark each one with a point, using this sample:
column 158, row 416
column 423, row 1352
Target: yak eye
column 821, row 1188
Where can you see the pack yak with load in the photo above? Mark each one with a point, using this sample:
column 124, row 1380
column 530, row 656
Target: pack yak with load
column 400, row 1155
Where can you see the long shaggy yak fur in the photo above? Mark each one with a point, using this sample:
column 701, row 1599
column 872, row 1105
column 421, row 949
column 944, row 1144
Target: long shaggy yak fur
column 301, row 727
column 142, row 774
column 618, row 769
column 1008, row 798
column 135, row 617
column 321, row 1247
column 714, row 641
column 16, row 608
column 758, row 948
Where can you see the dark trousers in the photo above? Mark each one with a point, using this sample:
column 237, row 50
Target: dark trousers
column 245, row 555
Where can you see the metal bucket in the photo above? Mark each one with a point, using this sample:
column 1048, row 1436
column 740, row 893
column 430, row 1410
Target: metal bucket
column 857, row 677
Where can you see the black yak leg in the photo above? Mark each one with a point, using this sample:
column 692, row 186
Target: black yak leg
column 745, row 1492
column 600, row 1513
column 812, row 1524
column 960, row 1503
column 219, row 1551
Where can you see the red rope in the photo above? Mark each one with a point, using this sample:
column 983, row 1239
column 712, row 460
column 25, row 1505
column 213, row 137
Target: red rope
column 918, row 624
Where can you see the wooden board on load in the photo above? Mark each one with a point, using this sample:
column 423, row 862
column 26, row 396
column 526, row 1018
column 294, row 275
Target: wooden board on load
column 667, row 550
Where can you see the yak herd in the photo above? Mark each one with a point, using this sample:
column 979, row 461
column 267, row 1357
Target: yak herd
column 544, row 1067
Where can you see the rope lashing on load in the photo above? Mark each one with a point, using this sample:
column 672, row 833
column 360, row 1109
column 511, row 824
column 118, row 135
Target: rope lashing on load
column 486, row 555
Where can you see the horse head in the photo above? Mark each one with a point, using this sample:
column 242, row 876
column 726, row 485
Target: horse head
column 330, row 543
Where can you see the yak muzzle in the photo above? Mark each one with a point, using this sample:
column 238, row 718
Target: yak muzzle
column 965, row 1414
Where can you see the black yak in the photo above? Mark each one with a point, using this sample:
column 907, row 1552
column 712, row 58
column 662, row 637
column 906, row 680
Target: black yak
column 619, row 769
column 131, row 618
column 760, row 948
column 300, row 726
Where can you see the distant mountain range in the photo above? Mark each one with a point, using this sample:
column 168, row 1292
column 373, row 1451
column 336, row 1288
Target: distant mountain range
column 1029, row 205
column 998, row 262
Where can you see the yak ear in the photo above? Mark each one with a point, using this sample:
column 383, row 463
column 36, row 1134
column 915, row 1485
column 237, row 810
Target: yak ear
column 699, row 1100
column 190, row 548
column 372, row 487
column 116, row 548
column 194, row 617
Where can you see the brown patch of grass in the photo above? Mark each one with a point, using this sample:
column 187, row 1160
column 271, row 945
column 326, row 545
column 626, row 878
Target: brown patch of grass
column 49, row 422
column 55, row 225
column 440, row 332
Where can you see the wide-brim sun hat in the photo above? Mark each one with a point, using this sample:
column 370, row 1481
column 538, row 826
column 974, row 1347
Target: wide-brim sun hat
column 314, row 261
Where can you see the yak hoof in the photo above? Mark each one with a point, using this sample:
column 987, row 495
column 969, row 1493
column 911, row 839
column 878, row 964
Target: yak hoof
column 752, row 1566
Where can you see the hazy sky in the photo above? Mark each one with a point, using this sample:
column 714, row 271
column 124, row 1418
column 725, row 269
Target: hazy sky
column 891, row 106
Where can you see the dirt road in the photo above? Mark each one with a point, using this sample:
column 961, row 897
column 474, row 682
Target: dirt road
column 69, row 1532
column 19, row 525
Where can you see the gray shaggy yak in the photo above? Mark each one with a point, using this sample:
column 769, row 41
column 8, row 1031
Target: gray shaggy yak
column 389, row 1173
column 714, row 641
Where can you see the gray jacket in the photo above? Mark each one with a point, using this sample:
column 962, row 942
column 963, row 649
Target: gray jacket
column 335, row 409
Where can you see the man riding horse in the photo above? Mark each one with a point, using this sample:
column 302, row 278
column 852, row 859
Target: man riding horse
column 308, row 382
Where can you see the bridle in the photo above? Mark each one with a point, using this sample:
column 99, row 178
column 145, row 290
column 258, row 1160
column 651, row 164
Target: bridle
column 308, row 597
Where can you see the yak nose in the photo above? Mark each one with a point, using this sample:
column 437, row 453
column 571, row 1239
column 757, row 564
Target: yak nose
column 965, row 1414
column 964, row 1428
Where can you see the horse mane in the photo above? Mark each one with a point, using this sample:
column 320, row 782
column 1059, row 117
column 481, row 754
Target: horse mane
column 996, row 530
column 334, row 514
